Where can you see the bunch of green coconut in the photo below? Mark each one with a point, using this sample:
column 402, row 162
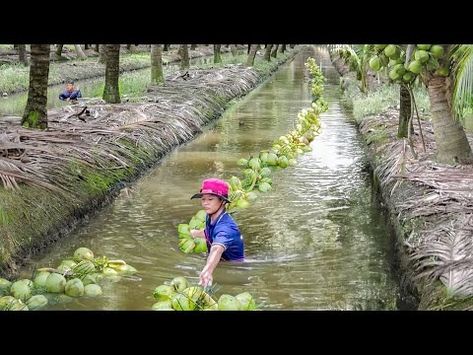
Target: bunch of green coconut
column 74, row 277
column 283, row 153
column 179, row 295
column 403, row 69
column 317, row 83
column 187, row 243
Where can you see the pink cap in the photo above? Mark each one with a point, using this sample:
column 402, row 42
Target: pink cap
column 215, row 187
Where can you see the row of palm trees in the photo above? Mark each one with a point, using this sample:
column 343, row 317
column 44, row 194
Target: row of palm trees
column 449, row 96
column 35, row 114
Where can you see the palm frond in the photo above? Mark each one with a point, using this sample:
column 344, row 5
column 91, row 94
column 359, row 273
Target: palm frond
column 11, row 172
column 447, row 255
column 350, row 55
column 394, row 166
column 463, row 84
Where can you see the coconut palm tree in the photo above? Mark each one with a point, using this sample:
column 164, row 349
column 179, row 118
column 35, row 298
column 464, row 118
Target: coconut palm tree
column 36, row 113
column 452, row 144
column 267, row 53
column 462, row 72
column 184, row 52
column 432, row 63
column 404, row 111
column 58, row 52
column 80, row 53
column 22, row 54
column 217, row 55
column 111, row 92
column 405, row 103
column 357, row 57
column 157, row 76
column 233, row 49
column 251, row 55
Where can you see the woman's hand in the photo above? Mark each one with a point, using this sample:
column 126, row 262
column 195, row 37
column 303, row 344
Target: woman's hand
column 205, row 278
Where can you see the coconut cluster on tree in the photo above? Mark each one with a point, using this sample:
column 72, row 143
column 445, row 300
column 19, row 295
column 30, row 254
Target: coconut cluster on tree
column 404, row 67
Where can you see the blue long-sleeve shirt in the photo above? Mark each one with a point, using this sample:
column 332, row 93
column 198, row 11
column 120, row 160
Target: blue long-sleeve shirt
column 226, row 233
column 73, row 95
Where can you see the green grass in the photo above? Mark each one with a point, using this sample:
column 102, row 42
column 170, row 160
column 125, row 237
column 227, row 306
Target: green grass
column 130, row 84
column 386, row 97
column 133, row 58
column 13, row 77
column 378, row 136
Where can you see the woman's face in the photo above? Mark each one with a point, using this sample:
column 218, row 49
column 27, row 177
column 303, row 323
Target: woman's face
column 210, row 203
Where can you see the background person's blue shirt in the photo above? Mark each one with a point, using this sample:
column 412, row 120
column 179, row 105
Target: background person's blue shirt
column 225, row 232
column 73, row 95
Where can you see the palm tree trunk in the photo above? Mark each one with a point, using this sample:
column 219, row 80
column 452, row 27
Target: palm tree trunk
column 404, row 112
column 217, row 56
column 452, row 145
column 102, row 53
column 111, row 92
column 251, row 56
column 157, row 76
column 80, row 53
column 267, row 53
column 274, row 53
column 184, row 56
column 364, row 69
column 58, row 52
column 283, row 48
column 22, row 54
column 36, row 113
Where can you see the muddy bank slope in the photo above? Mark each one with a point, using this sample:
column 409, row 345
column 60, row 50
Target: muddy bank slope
column 81, row 162
column 431, row 208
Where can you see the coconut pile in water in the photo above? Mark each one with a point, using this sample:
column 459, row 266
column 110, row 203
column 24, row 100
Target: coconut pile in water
column 75, row 277
column 179, row 295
